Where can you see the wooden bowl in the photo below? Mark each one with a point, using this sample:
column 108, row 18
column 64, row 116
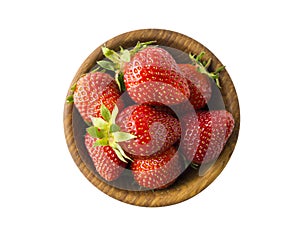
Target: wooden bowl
column 191, row 182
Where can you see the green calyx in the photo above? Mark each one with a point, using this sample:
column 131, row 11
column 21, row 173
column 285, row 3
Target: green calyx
column 70, row 98
column 202, row 67
column 108, row 133
column 115, row 61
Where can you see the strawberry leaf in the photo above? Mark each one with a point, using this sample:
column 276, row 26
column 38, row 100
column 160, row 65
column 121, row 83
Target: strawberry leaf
column 99, row 122
column 101, row 142
column 118, row 153
column 219, row 69
column 125, row 56
column 111, row 55
column 114, row 128
column 202, row 67
column 93, row 131
column 105, row 113
column 119, row 148
column 114, row 114
column 106, row 65
column 73, row 87
column 70, row 99
column 120, row 81
column 140, row 46
column 122, row 136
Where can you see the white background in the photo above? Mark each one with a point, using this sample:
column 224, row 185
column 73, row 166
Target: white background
column 43, row 44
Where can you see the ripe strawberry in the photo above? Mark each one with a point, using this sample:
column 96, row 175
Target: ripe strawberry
column 94, row 89
column 105, row 160
column 153, row 77
column 205, row 135
column 158, row 171
column 150, row 74
column 199, row 85
column 147, row 132
column 155, row 131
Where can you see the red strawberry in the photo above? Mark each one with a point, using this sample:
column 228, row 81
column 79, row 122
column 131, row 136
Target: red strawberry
column 205, row 134
column 150, row 74
column 155, row 131
column 199, row 85
column 153, row 77
column 94, row 89
column 158, row 171
column 140, row 130
column 105, row 160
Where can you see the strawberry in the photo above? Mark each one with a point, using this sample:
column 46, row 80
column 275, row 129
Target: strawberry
column 141, row 131
column 158, row 171
column 91, row 91
column 150, row 74
column 153, row 77
column 199, row 82
column 106, row 132
column 155, row 131
column 205, row 135
column 105, row 160
column 199, row 85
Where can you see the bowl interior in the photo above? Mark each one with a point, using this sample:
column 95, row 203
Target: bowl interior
column 192, row 181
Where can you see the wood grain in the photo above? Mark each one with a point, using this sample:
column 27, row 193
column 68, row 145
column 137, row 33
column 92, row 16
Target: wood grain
column 191, row 182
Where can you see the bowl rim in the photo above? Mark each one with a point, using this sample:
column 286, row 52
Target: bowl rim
column 168, row 196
